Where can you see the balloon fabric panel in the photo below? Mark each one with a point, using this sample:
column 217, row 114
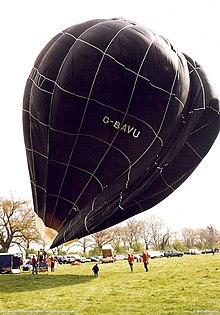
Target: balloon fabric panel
column 115, row 119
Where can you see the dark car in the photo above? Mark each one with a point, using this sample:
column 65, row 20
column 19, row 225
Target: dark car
column 173, row 253
column 60, row 259
column 210, row 251
column 95, row 258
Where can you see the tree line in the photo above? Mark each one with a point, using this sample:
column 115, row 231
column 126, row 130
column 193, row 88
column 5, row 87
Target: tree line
column 17, row 228
column 152, row 233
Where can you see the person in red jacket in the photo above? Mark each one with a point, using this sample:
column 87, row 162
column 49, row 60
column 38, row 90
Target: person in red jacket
column 145, row 260
column 34, row 265
column 131, row 261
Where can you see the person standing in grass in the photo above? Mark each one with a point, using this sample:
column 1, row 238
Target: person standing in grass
column 52, row 264
column 131, row 261
column 145, row 260
column 95, row 269
column 34, row 265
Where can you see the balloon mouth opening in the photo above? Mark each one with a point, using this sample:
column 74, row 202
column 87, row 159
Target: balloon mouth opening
column 47, row 234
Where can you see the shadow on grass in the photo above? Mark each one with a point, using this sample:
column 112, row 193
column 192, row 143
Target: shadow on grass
column 27, row 282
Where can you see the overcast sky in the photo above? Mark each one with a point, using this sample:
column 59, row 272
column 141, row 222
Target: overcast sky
column 26, row 26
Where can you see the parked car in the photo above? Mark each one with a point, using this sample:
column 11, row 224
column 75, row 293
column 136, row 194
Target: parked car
column 82, row 259
column 60, row 259
column 210, row 251
column 69, row 259
column 187, row 252
column 138, row 257
column 194, row 251
column 95, row 258
column 120, row 257
column 27, row 265
column 155, row 254
column 108, row 260
column 173, row 253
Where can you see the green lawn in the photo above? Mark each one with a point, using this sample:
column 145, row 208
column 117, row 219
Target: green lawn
column 186, row 285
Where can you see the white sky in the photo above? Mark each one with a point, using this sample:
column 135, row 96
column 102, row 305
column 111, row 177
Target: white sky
column 26, row 26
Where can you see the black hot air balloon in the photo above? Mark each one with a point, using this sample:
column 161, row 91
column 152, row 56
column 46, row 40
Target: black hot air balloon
column 115, row 119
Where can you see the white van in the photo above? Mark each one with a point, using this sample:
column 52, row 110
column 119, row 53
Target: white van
column 155, row 254
column 68, row 259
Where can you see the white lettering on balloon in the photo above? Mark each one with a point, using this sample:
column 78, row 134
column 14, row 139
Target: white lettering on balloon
column 122, row 127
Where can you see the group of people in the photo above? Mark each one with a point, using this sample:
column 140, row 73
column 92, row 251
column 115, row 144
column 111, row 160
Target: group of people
column 144, row 258
column 44, row 262
column 52, row 261
column 131, row 258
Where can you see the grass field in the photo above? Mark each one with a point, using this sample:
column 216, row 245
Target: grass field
column 186, row 285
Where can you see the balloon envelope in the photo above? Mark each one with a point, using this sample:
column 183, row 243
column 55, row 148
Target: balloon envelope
column 115, row 119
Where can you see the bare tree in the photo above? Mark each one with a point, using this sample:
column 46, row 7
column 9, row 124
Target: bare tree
column 213, row 236
column 101, row 238
column 17, row 224
column 190, row 237
column 145, row 236
column 209, row 237
column 158, row 233
column 118, row 236
column 165, row 240
column 134, row 231
column 84, row 243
